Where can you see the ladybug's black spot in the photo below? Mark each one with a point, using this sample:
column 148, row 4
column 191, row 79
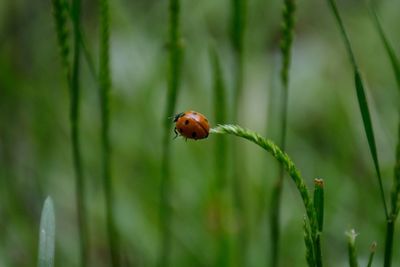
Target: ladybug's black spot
column 194, row 113
column 194, row 134
column 180, row 130
column 186, row 122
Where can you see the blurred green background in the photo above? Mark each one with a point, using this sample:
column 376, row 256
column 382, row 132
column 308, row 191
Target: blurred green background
column 325, row 137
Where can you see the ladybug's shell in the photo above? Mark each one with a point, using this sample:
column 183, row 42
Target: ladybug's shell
column 192, row 125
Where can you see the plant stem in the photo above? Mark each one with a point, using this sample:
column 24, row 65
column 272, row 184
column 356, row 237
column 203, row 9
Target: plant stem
column 283, row 159
column 105, row 88
column 237, row 37
column 362, row 101
column 351, row 235
column 288, row 14
column 74, row 116
column 175, row 61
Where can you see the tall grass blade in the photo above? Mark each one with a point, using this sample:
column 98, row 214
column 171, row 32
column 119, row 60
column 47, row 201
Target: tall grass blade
column 76, row 148
column 396, row 178
column 175, row 62
column 105, row 88
column 319, row 209
column 47, row 235
column 220, row 113
column 372, row 250
column 238, row 25
column 362, row 102
column 389, row 49
column 351, row 246
column 288, row 17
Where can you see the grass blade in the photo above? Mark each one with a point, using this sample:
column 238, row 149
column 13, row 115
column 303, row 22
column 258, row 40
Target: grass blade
column 351, row 240
column 288, row 15
column 319, row 209
column 175, row 62
column 362, row 102
column 372, row 250
column 220, row 113
column 76, row 148
column 238, row 25
column 389, row 49
column 105, row 88
column 47, row 235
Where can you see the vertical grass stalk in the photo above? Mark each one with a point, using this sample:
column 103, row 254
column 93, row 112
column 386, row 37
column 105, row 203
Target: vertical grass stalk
column 174, row 68
column 362, row 102
column 288, row 15
column 310, row 256
column 105, row 88
column 319, row 209
column 351, row 240
column 238, row 25
column 372, row 250
column 60, row 12
column 221, row 162
column 390, row 228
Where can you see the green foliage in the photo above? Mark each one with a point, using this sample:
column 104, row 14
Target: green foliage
column 372, row 250
column 47, row 235
column 310, row 256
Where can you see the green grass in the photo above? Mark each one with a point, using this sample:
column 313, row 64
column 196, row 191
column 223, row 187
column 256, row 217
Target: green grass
column 174, row 69
column 60, row 12
column 47, row 235
column 351, row 247
column 288, row 18
column 221, row 167
column 105, row 90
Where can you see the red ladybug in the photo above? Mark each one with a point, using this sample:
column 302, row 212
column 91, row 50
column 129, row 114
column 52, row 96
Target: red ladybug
column 192, row 125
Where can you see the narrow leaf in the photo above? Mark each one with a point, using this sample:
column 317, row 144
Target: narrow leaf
column 351, row 244
column 47, row 235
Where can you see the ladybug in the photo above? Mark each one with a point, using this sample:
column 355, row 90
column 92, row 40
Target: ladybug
column 192, row 125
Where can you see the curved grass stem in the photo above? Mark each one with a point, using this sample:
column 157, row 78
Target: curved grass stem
column 283, row 159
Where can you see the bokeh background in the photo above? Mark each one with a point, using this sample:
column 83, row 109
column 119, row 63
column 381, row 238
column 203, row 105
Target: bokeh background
column 325, row 135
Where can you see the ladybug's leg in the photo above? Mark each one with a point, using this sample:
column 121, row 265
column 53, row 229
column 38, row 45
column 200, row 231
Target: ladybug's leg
column 176, row 133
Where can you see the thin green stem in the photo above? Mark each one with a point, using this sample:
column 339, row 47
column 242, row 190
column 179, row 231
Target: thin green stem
column 288, row 15
column 238, row 25
column 362, row 101
column 283, row 159
column 319, row 209
column 175, row 62
column 105, row 88
column 389, row 243
column 74, row 116
column 372, row 253
column 219, row 187
column 351, row 246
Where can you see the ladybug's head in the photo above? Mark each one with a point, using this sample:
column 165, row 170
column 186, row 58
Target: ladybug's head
column 177, row 116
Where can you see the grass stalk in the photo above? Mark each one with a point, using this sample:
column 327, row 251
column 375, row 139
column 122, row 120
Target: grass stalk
column 47, row 235
column 395, row 194
column 319, row 209
column 75, row 119
column 283, row 159
column 372, row 250
column 105, row 88
column 238, row 25
column 362, row 101
column 60, row 13
column 288, row 15
column 175, row 62
column 351, row 246
column 220, row 113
